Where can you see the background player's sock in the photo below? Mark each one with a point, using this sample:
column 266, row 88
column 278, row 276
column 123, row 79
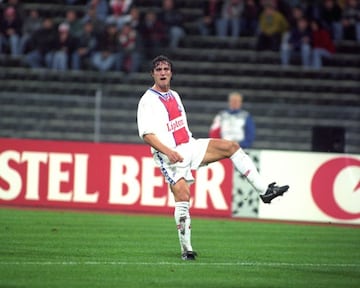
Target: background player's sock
column 246, row 167
column 183, row 224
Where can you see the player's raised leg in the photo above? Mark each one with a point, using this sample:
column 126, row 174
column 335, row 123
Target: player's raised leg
column 219, row 149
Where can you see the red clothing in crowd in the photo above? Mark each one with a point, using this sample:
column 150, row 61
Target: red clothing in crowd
column 322, row 39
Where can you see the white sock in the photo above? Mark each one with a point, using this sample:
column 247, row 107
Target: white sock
column 246, row 167
column 183, row 224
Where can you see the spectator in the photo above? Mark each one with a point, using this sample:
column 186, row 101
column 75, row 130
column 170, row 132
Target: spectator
column 119, row 12
column 131, row 16
column 10, row 32
column 134, row 18
column 297, row 13
column 295, row 3
column 313, row 9
column 90, row 16
column 64, row 47
column 323, row 46
column 85, row 48
column 250, row 18
column 153, row 34
column 299, row 41
column 129, row 53
column 19, row 8
column 41, row 45
column 173, row 21
column 101, row 8
column 272, row 26
column 350, row 22
column 120, row 7
column 230, row 18
column 74, row 23
column 31, row 24
column 211, row 13
column 107, row 49
column 283, row 7
column 234, row 123
column 74, row 2
column 331, row 18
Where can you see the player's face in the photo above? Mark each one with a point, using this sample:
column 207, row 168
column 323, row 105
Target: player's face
column 235, row 102
column 162, row 76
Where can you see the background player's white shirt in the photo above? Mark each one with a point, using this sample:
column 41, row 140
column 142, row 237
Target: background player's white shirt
column 153, row 117
column 232, row 125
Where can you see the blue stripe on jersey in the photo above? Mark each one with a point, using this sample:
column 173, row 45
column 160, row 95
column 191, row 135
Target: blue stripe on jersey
column 163, row 169
column 165, row 97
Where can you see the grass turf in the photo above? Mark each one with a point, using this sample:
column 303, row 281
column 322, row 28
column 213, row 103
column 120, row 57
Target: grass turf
column 70, row 249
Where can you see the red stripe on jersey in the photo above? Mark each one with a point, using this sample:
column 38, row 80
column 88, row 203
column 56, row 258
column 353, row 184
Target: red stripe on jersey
column 173, row 108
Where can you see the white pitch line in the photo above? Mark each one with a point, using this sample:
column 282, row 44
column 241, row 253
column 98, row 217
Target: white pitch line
column 244, row 264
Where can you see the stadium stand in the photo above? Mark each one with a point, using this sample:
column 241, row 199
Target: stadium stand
column 286, row 103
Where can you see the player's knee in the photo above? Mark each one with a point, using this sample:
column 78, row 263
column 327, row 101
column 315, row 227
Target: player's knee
column 233, row 147
column 181, row 191
column 182, row 197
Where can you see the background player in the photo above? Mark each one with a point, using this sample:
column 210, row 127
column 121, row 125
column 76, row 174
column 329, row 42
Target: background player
column 162, row 124
column 234, row 123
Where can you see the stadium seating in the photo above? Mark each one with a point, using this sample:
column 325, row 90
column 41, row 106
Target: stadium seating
column 286, row 103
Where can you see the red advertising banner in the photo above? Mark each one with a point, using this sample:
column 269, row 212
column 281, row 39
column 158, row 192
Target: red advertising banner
column 108, row 177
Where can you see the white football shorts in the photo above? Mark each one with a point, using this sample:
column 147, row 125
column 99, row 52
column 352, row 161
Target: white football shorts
column 193, row 153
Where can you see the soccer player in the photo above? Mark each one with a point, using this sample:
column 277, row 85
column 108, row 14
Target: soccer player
column 234, row 123
column 162, row 124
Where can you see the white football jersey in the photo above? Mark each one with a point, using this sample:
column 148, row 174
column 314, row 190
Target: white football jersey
column 163, row 114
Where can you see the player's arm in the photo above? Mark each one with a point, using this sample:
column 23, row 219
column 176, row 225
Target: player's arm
column 154, row 142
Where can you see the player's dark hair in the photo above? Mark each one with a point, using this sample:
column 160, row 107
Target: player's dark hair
column 158, row 59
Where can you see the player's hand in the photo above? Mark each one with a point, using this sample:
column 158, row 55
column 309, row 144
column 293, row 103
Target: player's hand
column 174, row 157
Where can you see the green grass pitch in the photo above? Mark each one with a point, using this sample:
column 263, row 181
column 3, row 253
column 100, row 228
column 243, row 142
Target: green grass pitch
column 41, row 248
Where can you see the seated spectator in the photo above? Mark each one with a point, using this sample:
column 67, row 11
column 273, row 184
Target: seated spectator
column 101, row 8
column 64, row 46
column 283, row 7
column 90, row 16
column 173, row 21
column 295, row 3
column 297, row 13
column 134, row 18
column 299, row 41
column 131, row 17
column 312, row 10
column 129, row 58
column 272, row 26
column 153, row 34
column 211, row 13
column 85, row 48
column 119, row 12
column 41, row 44
column 74, row 2
column 323, row 46
column 350, row 22
column 249, row 19
column 31, row 24
column 231, row 13
column 10, row 32
column 18, row 6
column 330, row 15
column 120, row 7
column 107, row 49
column 74, row 23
